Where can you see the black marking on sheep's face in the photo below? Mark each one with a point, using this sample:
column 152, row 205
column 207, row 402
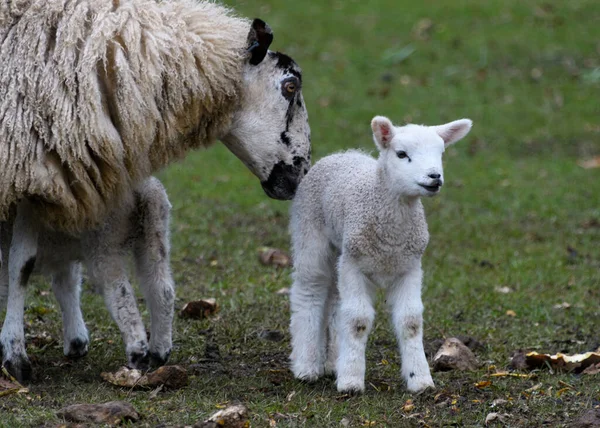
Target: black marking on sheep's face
column 285, row 139
column 284, row 178
column 286, row 64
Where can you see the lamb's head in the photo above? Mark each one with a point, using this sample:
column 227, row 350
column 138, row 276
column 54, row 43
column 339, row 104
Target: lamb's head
column 411, row 155
column 270, row 131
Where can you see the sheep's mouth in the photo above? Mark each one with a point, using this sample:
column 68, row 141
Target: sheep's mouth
column 431, row 188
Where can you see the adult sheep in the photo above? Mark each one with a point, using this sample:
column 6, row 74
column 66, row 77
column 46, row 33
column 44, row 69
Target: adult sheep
column 95, row 95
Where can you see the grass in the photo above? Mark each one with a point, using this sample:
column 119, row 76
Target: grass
column 526, row 72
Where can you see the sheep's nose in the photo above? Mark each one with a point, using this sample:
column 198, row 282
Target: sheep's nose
column 434, row 176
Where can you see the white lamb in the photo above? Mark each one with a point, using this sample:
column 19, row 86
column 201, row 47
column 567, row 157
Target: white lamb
column 357, row 222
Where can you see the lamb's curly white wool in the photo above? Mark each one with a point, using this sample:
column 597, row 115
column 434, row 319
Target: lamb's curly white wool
column 140, row 228
column 357, row 222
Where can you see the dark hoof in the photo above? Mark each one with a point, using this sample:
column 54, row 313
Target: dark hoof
column 77, row 348
column 158, row 360
column 19, row 368
column 140, row 361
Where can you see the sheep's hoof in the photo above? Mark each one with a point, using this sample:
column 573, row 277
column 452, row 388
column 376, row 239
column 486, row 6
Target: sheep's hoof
column 158, row 360
column 19, row 367
column 77, row 348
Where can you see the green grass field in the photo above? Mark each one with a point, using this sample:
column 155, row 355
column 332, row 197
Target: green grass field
column 517, row 211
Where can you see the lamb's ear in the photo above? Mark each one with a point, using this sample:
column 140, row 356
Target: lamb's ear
column 454, row 131
column 383, row 131
column 259, row 40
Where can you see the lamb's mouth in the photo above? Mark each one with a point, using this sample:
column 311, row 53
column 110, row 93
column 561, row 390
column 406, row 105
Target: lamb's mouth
column 433, row 188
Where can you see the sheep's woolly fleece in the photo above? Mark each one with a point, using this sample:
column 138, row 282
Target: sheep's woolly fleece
column 95, row 95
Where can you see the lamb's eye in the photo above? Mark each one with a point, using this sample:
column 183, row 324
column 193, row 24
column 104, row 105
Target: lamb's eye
column 402, row 154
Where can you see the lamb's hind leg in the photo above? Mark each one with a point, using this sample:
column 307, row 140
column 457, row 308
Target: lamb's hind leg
column 354, row 323
column 108, row 272
column 21, row 261
column 66, row 284
column 314, row 270
column 152, row 262
column 404, row 298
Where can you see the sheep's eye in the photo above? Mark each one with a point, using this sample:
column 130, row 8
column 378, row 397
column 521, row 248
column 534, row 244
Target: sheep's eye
column 290, row 87
column 402, row 154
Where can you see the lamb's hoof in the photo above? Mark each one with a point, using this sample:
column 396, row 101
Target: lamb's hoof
column 139, row 360
column 158, row 360
column 19, row 367
column 307, row 374
column 350, row 387
column 420, row 386
column 78, row 348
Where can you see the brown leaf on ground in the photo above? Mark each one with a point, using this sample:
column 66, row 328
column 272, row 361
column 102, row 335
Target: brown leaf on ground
column 589, row 419
column 570, row 363
column 497, row 417
column 454, row 355
column 9, row 385
column 274, row 257
column 235, row 416
column 170, row 376
column 199, row 309
column 111, row 413
column 589, row 163
column 173, row 377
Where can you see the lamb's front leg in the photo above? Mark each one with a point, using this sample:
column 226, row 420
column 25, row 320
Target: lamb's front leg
column 21, row 261
column 354, row 323
column 66, row 284
column 404, row 297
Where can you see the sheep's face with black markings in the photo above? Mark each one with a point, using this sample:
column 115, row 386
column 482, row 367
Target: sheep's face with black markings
column 270, row 131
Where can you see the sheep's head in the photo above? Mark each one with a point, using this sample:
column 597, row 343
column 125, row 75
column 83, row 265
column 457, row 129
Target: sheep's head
column 270, row 131
column 411, row 155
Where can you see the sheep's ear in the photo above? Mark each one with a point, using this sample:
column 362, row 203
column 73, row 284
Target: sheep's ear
column 454, row 131
column 259, row 40
column 383, row 131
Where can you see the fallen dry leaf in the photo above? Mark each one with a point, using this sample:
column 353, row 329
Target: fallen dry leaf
column 170, row 376
column 503, row 290
column 571, row 363
column 496, row 417
column 592, row 370
column 111, row 413
column 511, row 313
column 483, row 384
column 589, row 163
column 234, row 416
column 454, row 355
column 563, row 305
column 283, row 291
column 200, row 309
column 509, row 374
column 9, row 385
column 408, row 406
column 274, row 257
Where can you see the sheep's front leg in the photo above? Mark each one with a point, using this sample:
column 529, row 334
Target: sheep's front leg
column 109, row 273
column 66, row 284
column 354, row 323
column 404, row 297
column 21, row 261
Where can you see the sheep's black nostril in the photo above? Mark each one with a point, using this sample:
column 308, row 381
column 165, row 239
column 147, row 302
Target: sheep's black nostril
column 435, row 176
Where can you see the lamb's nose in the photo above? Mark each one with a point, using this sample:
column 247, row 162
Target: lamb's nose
column 434, row 176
